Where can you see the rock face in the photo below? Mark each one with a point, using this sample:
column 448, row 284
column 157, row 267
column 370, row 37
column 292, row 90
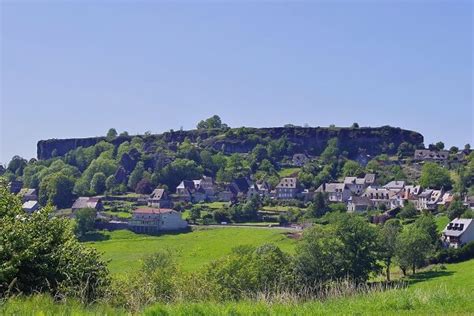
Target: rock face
column 312, row 140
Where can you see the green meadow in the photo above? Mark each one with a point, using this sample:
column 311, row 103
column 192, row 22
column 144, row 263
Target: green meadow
column 193, row 249
column 441, row 290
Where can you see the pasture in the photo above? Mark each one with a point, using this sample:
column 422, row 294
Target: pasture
column 193, row 249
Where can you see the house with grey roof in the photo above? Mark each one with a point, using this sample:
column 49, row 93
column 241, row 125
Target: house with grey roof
column 431, row 155
column 159, row 198
column 287, row 189
column 395, row 185
column 429, row 199
column 30, row 206
column 336, row 192
column 359, row 204
column 458, row 232
column 87, row 202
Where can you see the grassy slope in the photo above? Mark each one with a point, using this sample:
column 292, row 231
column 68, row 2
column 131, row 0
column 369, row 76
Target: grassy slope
column 193, row 249
column 287, row 172
column 438, row 292
column 441, row 222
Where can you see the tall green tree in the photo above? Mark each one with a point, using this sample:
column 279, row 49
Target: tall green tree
column 97, row 185
column 413, row 248
column 388, row 242
column 435, row 176
column 85, row 220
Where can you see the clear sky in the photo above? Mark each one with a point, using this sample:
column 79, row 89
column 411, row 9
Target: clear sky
column 75, row 69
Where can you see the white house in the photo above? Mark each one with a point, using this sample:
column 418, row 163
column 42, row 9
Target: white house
column 458, row 232
column 154, row 220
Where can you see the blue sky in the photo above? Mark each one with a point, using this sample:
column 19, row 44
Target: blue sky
column 70, row 69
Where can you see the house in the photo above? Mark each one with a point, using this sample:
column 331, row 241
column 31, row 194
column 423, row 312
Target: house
column 28, row 194
column 159, row 198
column 207, row 184
column 87, row 202
column 154, row 220
column 369, row 179
column 395, row 185
column 358, row 204
column 30, row 206
column 191, row 191
column 379, row 196
column 261, row 189
column 355, row 185
column 458, row 232
column 239, row 187
column 225, row 195
column 184, row 190
column 287, row 188
column 299, row 160
column 337, row 192
column 428, row 199
column 469, row 202
column 431, row 155
column 446, row 199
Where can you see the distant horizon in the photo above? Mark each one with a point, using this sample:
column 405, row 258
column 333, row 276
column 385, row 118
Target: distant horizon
column 70, row 69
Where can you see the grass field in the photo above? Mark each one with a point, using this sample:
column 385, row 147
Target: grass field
column 441, row 222
column 435, row 292
column 193, row 249
column 279, row 208
column 287, row 172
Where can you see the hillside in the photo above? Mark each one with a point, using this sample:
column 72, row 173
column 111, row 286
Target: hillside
column 312, row 140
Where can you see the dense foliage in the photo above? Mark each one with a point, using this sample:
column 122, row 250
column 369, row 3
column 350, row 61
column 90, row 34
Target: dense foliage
column 40, row 253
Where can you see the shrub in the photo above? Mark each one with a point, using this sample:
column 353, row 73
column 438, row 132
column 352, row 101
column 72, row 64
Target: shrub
column 453, row 255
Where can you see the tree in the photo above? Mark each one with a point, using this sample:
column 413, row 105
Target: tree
column 111, row 134
column 413, row 248
column 41, row 254
column 453, row 149
column 195, row 213
column 352, row 169
column 111, row 184
column 136, row 175
column 439, row 145
column 98, row 183
column 85, row 220
column 144, row 186
column 408, row 211
column 427, row 223
column 456, row 208
column 57, row 190
column 355, row 125
column 347, row 247
column 388, row 242
column 331, row 151
column 435, row 176
column 210, row 123
column 16, row 165
column 319, row 207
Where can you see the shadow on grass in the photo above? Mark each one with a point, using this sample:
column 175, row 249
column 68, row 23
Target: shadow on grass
column 427, row 275
column 94, row 236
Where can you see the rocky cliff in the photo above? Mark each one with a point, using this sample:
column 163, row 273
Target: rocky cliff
column 312, row 140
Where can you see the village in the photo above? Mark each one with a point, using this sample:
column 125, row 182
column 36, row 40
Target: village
column 162, row 211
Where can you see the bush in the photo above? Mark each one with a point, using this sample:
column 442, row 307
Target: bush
column 39, row 253
column 453, row 255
